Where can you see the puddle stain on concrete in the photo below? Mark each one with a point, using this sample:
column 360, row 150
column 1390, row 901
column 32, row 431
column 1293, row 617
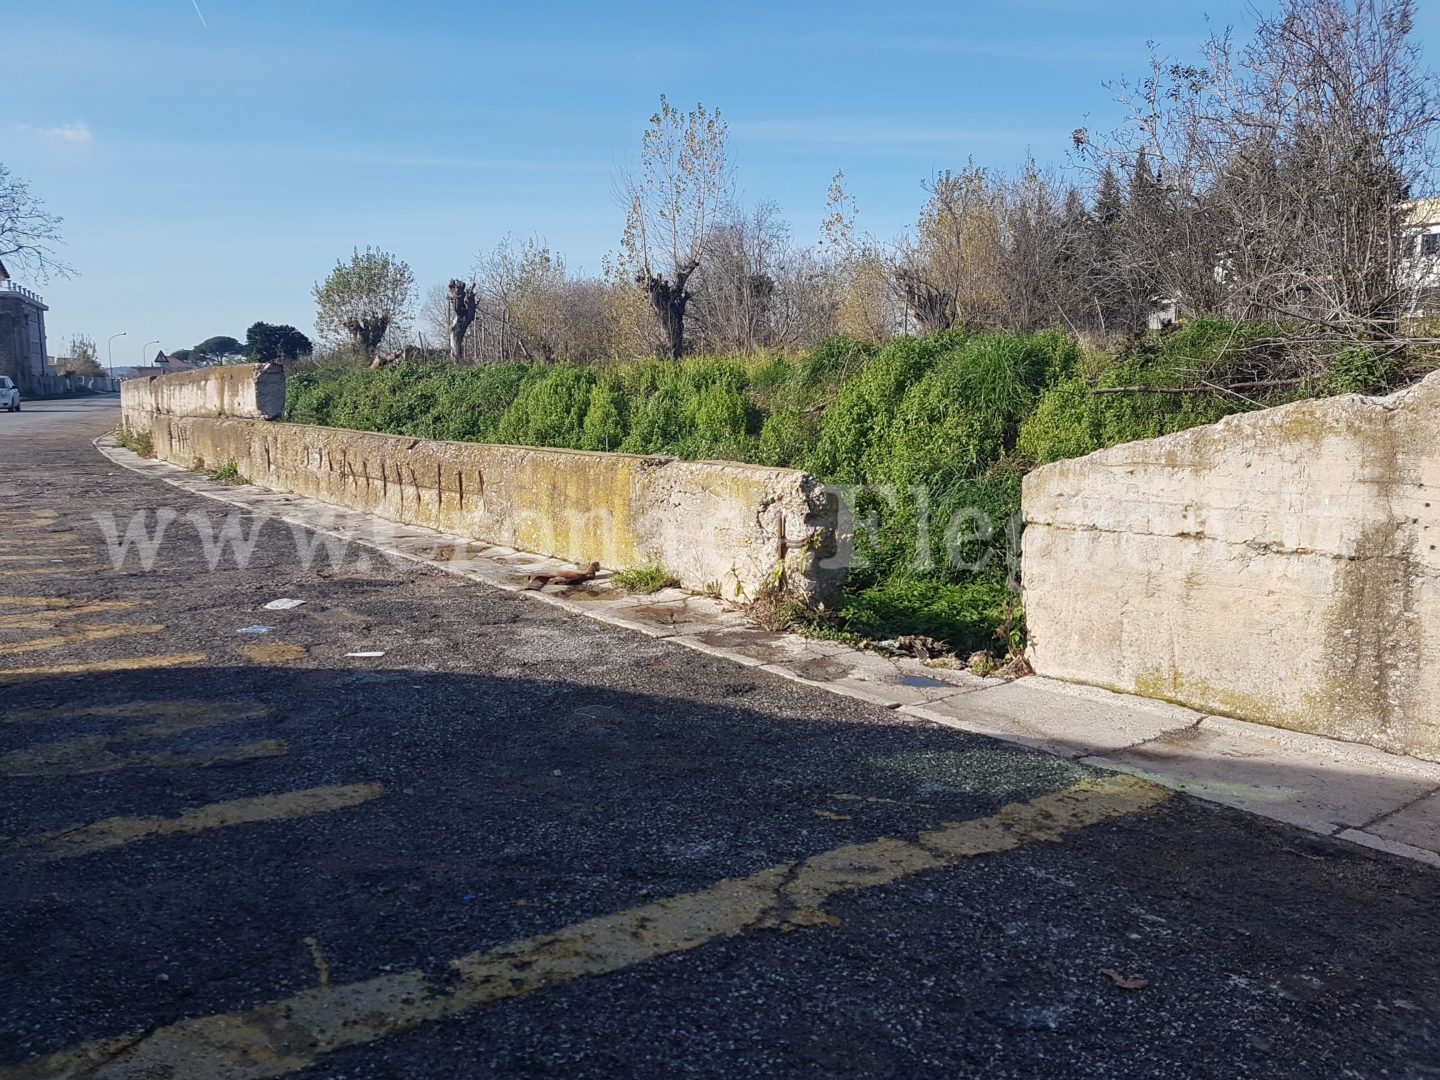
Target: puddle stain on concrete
column 291, row 1034
column 118, row 831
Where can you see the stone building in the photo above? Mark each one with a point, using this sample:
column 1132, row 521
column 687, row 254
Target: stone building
column 22, row 333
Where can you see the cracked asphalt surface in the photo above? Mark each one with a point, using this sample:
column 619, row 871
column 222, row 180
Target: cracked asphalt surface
column 514, row 771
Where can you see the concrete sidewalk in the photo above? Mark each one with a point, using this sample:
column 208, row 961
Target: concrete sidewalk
column 1350, row 791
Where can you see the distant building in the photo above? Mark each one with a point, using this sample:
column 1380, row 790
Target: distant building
column 22, row 333
column 1420, row 270
column 171, row 363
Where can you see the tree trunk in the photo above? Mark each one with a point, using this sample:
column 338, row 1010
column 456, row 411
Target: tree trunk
column 368, row 332
column 462, row 314
column 669, row 300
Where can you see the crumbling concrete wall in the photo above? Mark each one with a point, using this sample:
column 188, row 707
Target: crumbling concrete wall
column 713, row 524
column 1279, row 566
column 243, row 391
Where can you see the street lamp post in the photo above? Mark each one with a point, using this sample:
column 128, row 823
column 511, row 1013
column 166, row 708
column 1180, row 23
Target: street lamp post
column 144, row 348
column 110, row 351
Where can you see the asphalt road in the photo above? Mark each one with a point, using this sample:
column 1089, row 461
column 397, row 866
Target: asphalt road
column 520, row 843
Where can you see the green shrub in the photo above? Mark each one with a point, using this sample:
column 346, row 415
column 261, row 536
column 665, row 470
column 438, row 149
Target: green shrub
column 936, row 432
column 648, row 578
column 550, row 411
column 1359, row 369
column 604, row 427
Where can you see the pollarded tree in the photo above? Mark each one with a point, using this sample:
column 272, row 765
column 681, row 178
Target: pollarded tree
column 461, row 313
column 673, row 203
column 267, row 343
column 363, row 300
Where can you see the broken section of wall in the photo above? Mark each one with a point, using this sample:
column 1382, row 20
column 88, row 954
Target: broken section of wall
column 1279, row 566
column 241, row 391
column 716, row 525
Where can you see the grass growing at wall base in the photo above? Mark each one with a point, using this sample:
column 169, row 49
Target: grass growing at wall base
column 927, row 438
column 137, row 442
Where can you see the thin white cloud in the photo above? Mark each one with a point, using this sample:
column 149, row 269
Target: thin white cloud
column 76, row 134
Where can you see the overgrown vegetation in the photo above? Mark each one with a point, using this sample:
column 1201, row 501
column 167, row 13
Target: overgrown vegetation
column 927, row 438
column 229, row 473
column 137, row 442
column 649, row 578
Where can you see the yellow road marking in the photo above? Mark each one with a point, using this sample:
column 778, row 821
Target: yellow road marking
column 321, row 967
column 93, row 753
column 277, row 653
column 184, row 708
column 78, row 761
column 291, row 1034
column 53, row 615
column 81, row 606
column 31, row 571
column 132, row 663
column 41, row 519
column 86, row 633
column 118, row 831
column 42, row 558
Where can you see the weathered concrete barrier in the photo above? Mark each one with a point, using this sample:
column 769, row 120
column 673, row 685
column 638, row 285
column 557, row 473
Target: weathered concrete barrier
column 243, row 391
column 1279, row 566
column 713, row 524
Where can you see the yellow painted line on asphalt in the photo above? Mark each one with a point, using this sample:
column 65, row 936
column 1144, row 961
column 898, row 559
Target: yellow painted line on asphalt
column 278, row 652
column 38, row 519
column 43, row 558
column 283, row 806
column 50, row 615
column 87, row 632
column 100, row 667
column 50, row 760
column 95, row 753
column 322, row 968
column 81, row 605
column 291, row 1034
column 31, row 571
column 191, row 709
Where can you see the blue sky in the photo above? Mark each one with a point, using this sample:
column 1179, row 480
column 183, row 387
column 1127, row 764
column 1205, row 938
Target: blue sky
column 209, row 173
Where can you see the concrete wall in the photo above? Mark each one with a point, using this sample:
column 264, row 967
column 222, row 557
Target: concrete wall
column 243, row 391
column 708, row 522
column 1279, row 566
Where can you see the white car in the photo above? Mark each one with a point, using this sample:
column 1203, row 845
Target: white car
column 9, row 394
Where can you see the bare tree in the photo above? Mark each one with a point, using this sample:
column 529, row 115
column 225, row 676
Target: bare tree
column 673, row 203
column 857, row 271
column 733, row 293
column 948, row 272
column 1268, row 180
column 28, row 232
